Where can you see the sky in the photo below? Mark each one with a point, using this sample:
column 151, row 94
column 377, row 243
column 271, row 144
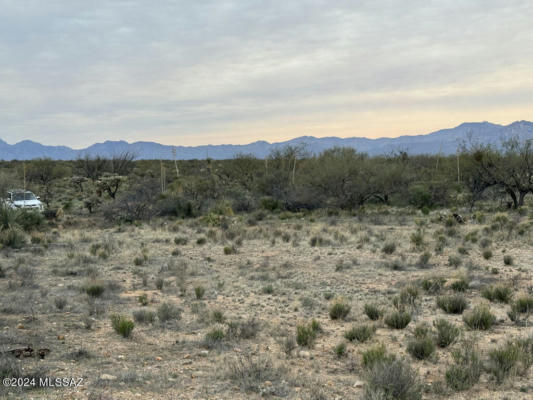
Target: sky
column 194, row 72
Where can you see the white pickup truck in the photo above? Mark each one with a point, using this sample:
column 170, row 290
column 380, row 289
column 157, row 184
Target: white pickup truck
column 23, row 199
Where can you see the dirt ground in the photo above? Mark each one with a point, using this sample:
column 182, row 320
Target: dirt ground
column 262, row 277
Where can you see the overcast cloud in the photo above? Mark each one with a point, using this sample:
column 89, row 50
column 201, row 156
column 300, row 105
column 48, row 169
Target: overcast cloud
column 197, row 72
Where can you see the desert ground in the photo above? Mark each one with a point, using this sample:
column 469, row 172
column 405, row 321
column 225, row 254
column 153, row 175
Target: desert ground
column 270, row 305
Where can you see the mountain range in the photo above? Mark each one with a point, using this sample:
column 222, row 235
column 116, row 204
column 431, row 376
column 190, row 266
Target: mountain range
column 445, row 141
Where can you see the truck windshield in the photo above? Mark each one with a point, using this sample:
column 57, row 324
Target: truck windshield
column 23, row 196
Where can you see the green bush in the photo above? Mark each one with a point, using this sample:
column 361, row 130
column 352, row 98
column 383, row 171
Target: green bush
column 433, row 285
column 454, row 261
column 305, row 335
column 460, row 285
column 447, row 333
column 487, row 254
column 339, row 310
column 167, row 312
column 12, row 237
column 340, row 349
column 508, row 260
column 503, row 361
column 524, row 304
column 498, row 293
column 144, row 316
column 389, row 248
column 479, row 318
column 392, row 380
column 375, row 355
column 122, row 325
column 94, row 289
column 181, row 241
column 228, row 250
column 467, row 367
column 199, row 292
column 360, row 333
column 452, row 304
column 372, row 311
column 397, row 319
column 421, row 348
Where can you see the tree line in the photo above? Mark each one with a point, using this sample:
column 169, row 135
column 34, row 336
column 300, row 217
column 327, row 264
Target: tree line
column 288, row 179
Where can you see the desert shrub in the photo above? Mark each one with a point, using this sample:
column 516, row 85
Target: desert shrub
column 375, row 355
column 479, row 318
column 487, row 254
column 143, row 299
column 497, row 293
column 214, row 335
column 372, row 311
column 9, row 367
column 395, row 265
column 360, row 333
column 228, row 250
column 329, row 295
column 523, row 304
column 94, row 289
column 393, row 380
column 484, row 243
column 135, row 204
column 407, row 297
column 339, row 309
column 246, row 329
column 138, row 261
column 167, row 312
column 181, row 240
column 503, row 361
column 452, row 304
column 218, row 316
column 421, row 347
column 250, row 373
column 60, row 302
column 433, row 285
column 467, row 367
column 508, row 260
column 389, row 248
column 397, row 319
column 306, row 333
column 268, row 289
column 513, row 358
column 122, row 325
column 423, row 260
column 447, row 333
column 199, row 292
column 340, row 350
column 12, row 237
column 29, row 219
column 201, row 241
column 460, row 285
column 454, row 261
column 417, row 239
column 144, row 316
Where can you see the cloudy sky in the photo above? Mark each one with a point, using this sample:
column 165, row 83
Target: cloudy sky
column 194, row 72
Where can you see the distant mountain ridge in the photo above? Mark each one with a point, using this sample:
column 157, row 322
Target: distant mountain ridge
column 445, row 141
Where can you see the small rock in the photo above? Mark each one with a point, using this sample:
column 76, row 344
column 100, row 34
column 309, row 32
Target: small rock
column 187, row 356
column 60, row 337
column 20, row 326
column 107, row 377
column 305, row 354
column 268, row 383
column 358, row 384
